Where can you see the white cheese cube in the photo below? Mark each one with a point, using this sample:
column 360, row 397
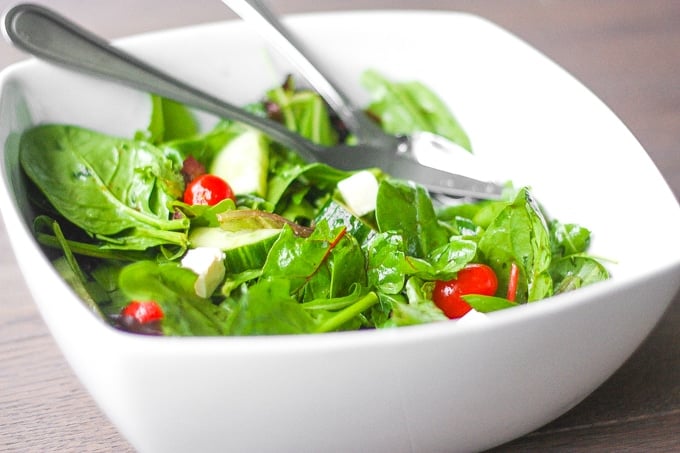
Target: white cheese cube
column 208, row 264
column 359, row 192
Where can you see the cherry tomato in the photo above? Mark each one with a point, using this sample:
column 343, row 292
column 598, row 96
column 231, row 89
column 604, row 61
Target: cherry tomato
column 472, row 279
column 207, row 189
column 143, row 312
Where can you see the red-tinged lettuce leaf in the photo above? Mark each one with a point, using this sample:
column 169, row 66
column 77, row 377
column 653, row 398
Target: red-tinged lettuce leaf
column 326, row 264
column 519, row 234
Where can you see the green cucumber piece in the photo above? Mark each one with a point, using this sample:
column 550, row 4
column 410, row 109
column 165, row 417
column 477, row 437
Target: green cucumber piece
column 243, row 250
column 243, row 163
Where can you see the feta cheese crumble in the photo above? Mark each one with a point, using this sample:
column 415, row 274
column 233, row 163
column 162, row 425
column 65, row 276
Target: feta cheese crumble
column 208, row 264
column 359, row 192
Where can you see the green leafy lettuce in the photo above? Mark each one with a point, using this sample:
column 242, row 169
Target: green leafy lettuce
column 110, row 210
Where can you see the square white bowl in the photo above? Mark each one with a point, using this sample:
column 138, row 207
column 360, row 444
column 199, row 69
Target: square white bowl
column 442, row 386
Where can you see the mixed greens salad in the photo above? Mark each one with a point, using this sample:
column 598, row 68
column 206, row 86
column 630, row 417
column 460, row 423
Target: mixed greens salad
column 178, row 231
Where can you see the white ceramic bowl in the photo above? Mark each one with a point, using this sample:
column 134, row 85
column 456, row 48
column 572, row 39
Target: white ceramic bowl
column 439, row 387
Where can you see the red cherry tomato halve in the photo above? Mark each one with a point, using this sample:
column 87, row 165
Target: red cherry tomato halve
column 143, row 312
column 207, row 189
column 472, row 279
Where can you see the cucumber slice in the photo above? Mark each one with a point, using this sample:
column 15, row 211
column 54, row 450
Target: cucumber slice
column 244, row 162
column 243, row 250
column 336, row 214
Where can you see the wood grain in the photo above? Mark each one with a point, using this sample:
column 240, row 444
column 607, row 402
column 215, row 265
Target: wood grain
column 626, row 52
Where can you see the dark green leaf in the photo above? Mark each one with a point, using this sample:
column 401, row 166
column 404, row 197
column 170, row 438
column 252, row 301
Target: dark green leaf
column 172, row 287
column 519, row 234
column 444, row 261
column 386, row 261
column 325, row 264
column 266, row 308
column 568, row 239
column 116, row 189
column 573, row 272
column 407, row 107
column 487, row 304
column 407, row 209
column 418, row 307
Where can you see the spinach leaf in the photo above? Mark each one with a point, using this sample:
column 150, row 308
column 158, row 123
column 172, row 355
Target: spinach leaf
column 407, row 209
column 90, row 294
column 418, row 307
column 444, row 261
column 178, row 121
column 568, row 238
column 233, row 282
column 576, row 271
column 44, row 234
column 201, row 215
column 519, row 234
column 117, row 190
column 326, row 264
column 169, row 120
column 407, row 107
column 487, row 304
column 306, row 176
column 267, row 308
column 340, row 271
column 337, row 214
column 386, row 261
column 70, row 270
column 172, row 287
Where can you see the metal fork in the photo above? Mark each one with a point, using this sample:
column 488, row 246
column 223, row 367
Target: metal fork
column 51, row 37
column 416, row 145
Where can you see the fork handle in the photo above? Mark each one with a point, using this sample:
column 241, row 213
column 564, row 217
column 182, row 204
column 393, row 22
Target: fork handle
column 272, row 29
column 51, row 37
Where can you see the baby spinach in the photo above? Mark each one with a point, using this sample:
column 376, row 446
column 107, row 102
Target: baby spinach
column 172, row 287
column 326, row 264
column 416, row 308
column 519, row 234
column 267, row 308
column 568, row 239
column 444, row 261
column 117, row 190
column 113, row 208
column 408, row 107
column 407, row 209
column 169, row 121
column 487, row 304
column 386, row 260
column 575, row 271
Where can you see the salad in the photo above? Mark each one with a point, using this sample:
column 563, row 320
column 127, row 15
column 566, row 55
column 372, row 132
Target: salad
column 178, row 231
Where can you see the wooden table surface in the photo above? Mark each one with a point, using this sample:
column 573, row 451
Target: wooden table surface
column 626, row 52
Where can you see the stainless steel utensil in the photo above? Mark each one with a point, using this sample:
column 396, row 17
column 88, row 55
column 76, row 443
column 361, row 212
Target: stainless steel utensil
column 51, row 37
column 413, row 146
